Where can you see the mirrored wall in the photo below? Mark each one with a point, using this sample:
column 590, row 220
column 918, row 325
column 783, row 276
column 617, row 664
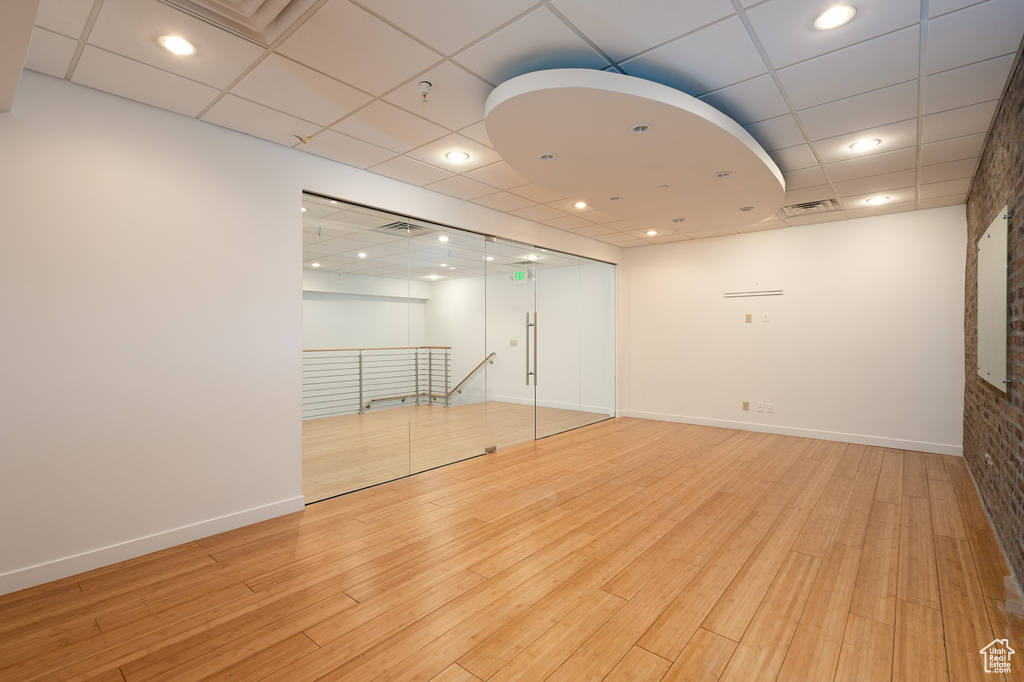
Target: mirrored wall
column 426, row 345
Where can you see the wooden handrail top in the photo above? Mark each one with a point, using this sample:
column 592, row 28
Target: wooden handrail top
column 471, row 373
column 324, row 350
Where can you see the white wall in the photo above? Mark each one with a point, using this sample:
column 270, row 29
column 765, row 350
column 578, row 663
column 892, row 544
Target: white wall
column 865, row 345
column 150, row 351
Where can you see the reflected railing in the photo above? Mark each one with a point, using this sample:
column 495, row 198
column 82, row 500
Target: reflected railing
column 339, row 381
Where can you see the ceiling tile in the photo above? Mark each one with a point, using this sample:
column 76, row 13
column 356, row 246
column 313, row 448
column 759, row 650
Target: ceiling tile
column 774, row 224
column 372, row 55
column 750, row 101
column 434, row 154
column 958, row 122
column 499, row 175
column 945, row 189
column 569, row 206
column 297, row 90
column 347, row 150
column 805, row 194
column 877, row 183
column 66, row 17
column 594, row 231
column 894, row 136
column 939, row 7
column 50, row 53
column 806, row 177
column 981, row 32
column 568, row 222
column 872, row 109
column 535, row 42
column 876, row 164
column 255, row 119
column 952, row 150
column 896, row 196
column 939, row 202
column 709, row 234
column 816, row 219
column 390, row 127
column 627, row 225
column 669, row 238
column 503, row 201
column 884, row 209
column 478, row 133
column 461, row 188
column 786, row 27
column 622, row 29
column 128, row 78
column 887, row 60
column 131, row 27
column 631, row 243
column 967, row 85
column 600, row 217
column 793, row 158
column 617, row 238
column 952, row 170
column 538, row 213
column 448, row 25
column 456, row 97
column 684, row 64
column 777, row 133
column 535, row 192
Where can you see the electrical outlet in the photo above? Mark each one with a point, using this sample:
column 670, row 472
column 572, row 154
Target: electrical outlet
column 746, row 406
column 749, row 318
column 760, row 407
column 771, row 408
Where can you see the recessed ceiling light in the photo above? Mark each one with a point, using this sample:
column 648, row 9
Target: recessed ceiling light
column 640, row 129
column 314, row 265
column 433, row 276
column 304, row 209
column 177, row 45
column 333, row 201
column 451, row 267
column 614, row 198
column 747, row 208
column 547, row 157
column 721, row 175
column 361, row 255
column 457, row 156
column 663, row 187
column 834, row 17
column 876, row 200
column 580, row 204
column 531, row 257
column 443, row 238
column 651, row 233
column 679, row 220
column 489, row 258
column 443, row 265
column 865, row 144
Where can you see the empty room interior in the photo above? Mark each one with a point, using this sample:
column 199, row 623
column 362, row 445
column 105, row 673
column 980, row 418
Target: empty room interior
column 520, row 340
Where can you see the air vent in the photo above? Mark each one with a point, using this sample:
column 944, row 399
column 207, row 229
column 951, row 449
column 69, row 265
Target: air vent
column 404, row 229
column 524, row 263
column 822, row 206
column 261, row 20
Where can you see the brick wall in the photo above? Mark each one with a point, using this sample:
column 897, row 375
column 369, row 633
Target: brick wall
column 994, row 421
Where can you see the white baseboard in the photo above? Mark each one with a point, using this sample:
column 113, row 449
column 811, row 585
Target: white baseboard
column 550, row 403
column 860, row 439
column 104, row 556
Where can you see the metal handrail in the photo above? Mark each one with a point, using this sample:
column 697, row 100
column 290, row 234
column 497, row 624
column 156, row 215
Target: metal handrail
column 471, row 373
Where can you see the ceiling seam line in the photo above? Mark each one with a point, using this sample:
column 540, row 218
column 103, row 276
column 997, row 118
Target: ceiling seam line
column 83, row 40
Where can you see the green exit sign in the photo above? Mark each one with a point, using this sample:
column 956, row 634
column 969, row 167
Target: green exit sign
column 521, row 277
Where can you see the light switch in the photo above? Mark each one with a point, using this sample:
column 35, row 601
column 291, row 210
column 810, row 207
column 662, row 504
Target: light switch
column 749, row 318
column 513, row 343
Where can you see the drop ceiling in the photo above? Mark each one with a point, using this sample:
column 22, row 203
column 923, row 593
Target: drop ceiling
column 922, row 76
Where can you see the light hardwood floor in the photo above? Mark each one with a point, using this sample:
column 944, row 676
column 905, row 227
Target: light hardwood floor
column 627, row 550
column 352, row 451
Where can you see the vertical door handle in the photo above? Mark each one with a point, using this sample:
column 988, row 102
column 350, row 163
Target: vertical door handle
column 535, row 348
column 528, row 349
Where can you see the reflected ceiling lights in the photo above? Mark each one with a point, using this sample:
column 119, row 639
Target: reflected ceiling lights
column 314, row 265
column 865, row 144
column 457, row 156
column 876, row 200
column 177, row 45
column 834, row 17
column 619, row 139
column 361, row 255
column 443, row 238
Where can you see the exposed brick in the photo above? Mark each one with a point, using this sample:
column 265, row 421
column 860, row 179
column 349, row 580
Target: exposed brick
column 993, row 420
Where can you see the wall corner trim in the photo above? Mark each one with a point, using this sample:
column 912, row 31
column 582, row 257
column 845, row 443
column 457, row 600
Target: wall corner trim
column 38, row 574
column 859, row 439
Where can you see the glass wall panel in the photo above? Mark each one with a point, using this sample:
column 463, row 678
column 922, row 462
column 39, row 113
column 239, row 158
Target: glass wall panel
column 597, row 341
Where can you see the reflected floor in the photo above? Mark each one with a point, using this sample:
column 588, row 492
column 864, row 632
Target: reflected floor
column 353, row 451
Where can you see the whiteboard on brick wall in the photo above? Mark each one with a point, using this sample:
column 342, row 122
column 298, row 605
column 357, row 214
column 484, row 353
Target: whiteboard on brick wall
column 992, row 297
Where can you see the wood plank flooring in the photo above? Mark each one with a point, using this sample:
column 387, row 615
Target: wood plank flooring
column 626, row 550
column 352, row 451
